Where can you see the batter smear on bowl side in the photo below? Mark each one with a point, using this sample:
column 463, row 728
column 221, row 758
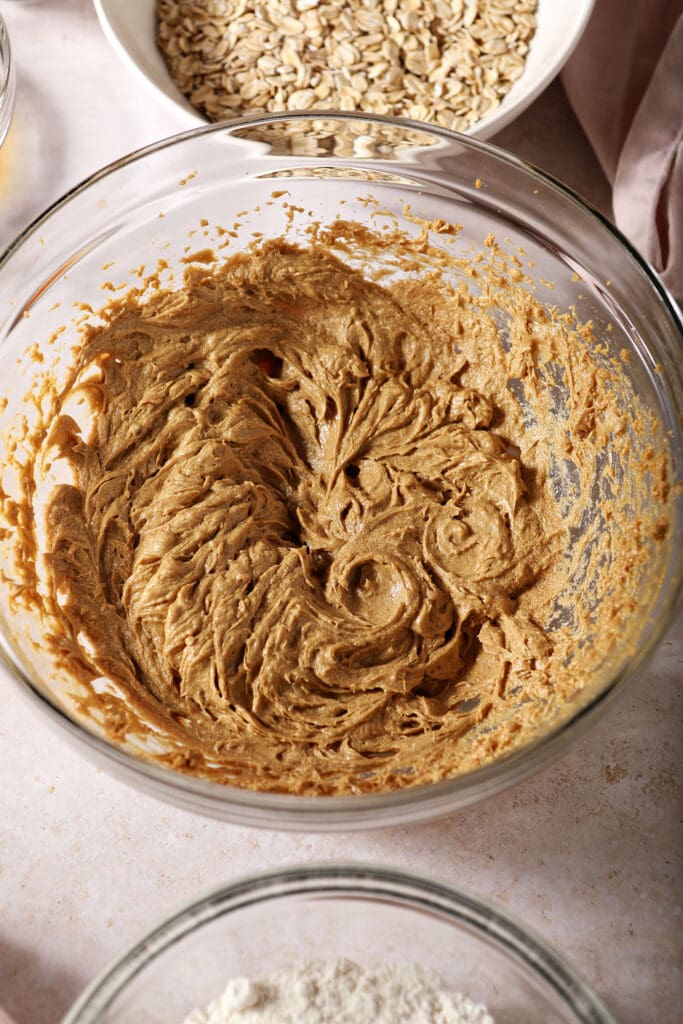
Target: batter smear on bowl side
column 321, row 534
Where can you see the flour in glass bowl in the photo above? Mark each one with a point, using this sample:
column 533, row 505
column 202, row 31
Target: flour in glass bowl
column 342, row 992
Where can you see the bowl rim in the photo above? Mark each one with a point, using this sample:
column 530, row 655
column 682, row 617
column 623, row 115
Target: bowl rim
column 360, row 880
column 6, row 60
column 410, row 803
column 467, row 141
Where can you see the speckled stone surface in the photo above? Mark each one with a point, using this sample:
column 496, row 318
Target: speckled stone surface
column 588, row 852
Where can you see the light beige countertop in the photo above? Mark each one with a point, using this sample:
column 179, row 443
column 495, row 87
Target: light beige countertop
column 588, row 852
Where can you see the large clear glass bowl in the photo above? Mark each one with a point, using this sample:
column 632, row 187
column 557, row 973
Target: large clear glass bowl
column 143, row 207
column 370, row 915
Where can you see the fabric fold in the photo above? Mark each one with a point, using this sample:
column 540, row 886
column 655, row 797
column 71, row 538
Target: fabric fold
column 624, row 82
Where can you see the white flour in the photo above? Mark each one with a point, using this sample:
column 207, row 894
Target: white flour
column 341, row 992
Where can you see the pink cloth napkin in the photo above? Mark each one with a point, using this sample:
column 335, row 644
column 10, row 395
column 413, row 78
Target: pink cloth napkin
column 625, row 83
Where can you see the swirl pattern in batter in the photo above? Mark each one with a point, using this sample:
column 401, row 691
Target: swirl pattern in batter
column 306, row 534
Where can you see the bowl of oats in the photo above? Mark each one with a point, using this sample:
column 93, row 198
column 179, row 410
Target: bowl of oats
column 343, row 943
column 468, row 65
column 341, row 469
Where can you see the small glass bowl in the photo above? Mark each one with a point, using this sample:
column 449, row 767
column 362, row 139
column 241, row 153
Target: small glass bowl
column 143, row 208
column 7, row 82
column 371, row 915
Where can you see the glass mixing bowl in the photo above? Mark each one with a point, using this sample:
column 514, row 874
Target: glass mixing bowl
column 7, row 82
column 194, row 191
column 370, row 915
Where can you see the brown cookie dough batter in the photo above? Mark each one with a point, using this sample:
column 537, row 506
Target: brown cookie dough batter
column 311, row 535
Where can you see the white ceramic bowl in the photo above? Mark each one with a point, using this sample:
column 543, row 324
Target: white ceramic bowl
column 130, row 27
